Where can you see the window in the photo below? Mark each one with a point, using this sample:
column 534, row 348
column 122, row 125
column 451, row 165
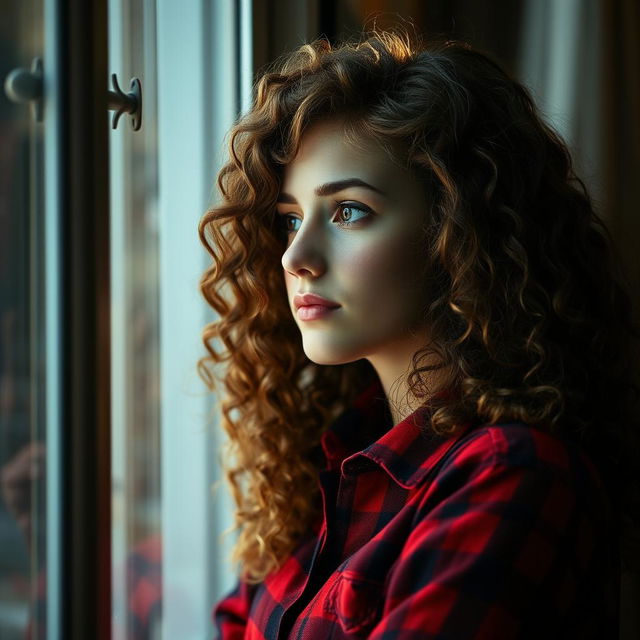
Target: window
column 93, row 346
column 168, row 557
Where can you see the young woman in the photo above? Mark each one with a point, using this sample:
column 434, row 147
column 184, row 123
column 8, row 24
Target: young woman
column 427, row 373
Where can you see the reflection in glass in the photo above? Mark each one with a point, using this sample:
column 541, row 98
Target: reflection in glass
column 22, row 318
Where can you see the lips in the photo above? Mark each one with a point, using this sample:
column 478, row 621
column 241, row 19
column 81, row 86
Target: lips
column 312, row 299
column 310, row 306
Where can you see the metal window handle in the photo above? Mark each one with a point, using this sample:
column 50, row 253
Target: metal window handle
column 24, row 86
column 130, row 103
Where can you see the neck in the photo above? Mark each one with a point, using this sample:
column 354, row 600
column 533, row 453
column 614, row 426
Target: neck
column 393, row 370
column 401, row 402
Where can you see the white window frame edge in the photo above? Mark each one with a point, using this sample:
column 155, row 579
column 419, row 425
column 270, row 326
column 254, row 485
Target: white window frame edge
column 120, row 164
column 53, row 327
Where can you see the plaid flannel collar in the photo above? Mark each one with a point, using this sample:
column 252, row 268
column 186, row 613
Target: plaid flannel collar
column 365, row 434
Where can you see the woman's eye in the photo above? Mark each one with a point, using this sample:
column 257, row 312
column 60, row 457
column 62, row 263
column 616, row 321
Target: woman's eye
column 350, row 212
column 288, row 222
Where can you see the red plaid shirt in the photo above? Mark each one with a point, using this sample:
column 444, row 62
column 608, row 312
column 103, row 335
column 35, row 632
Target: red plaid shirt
column 499, row 532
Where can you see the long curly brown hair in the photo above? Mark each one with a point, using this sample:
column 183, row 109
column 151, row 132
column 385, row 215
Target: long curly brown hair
column 528, row 319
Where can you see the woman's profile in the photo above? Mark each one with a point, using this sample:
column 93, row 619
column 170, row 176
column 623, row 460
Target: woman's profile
column 427, row 357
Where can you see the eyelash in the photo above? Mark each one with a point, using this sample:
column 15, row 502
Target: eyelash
column 339, row 206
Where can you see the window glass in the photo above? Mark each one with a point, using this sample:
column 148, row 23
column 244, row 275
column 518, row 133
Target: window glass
column 22, row 331
column 170, row 560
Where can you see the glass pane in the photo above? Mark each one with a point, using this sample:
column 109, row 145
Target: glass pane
column 22, row 322
column 136, row 546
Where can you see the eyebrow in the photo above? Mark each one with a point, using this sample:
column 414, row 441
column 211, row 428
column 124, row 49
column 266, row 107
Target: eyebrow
column 330, row 188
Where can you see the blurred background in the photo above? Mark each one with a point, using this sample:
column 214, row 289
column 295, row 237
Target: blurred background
column 112, row 509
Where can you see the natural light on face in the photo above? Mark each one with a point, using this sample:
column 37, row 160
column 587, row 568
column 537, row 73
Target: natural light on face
column 354, row 220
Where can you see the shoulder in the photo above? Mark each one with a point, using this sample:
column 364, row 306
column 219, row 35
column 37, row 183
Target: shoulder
column 498, row 453
column 513, row 523
column 519, row 445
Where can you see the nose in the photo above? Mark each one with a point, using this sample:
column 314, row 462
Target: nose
column 305, row 256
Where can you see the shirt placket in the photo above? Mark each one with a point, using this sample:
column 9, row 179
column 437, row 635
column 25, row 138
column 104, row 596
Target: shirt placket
column 337, row 494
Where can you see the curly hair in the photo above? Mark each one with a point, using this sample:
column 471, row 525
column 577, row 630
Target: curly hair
column 526, row 312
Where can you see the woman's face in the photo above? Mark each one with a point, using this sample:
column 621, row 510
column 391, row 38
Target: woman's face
column 354, row 220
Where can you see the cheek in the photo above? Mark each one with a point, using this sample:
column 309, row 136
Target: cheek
column 385, row 271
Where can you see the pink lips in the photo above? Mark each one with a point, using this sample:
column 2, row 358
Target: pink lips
column 310, row 306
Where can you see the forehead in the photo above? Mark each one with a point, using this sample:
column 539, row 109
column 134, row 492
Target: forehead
column 328, row 154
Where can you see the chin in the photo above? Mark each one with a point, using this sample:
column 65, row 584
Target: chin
column 329, row 354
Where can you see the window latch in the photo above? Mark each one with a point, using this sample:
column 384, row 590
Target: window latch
column 130, row 103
